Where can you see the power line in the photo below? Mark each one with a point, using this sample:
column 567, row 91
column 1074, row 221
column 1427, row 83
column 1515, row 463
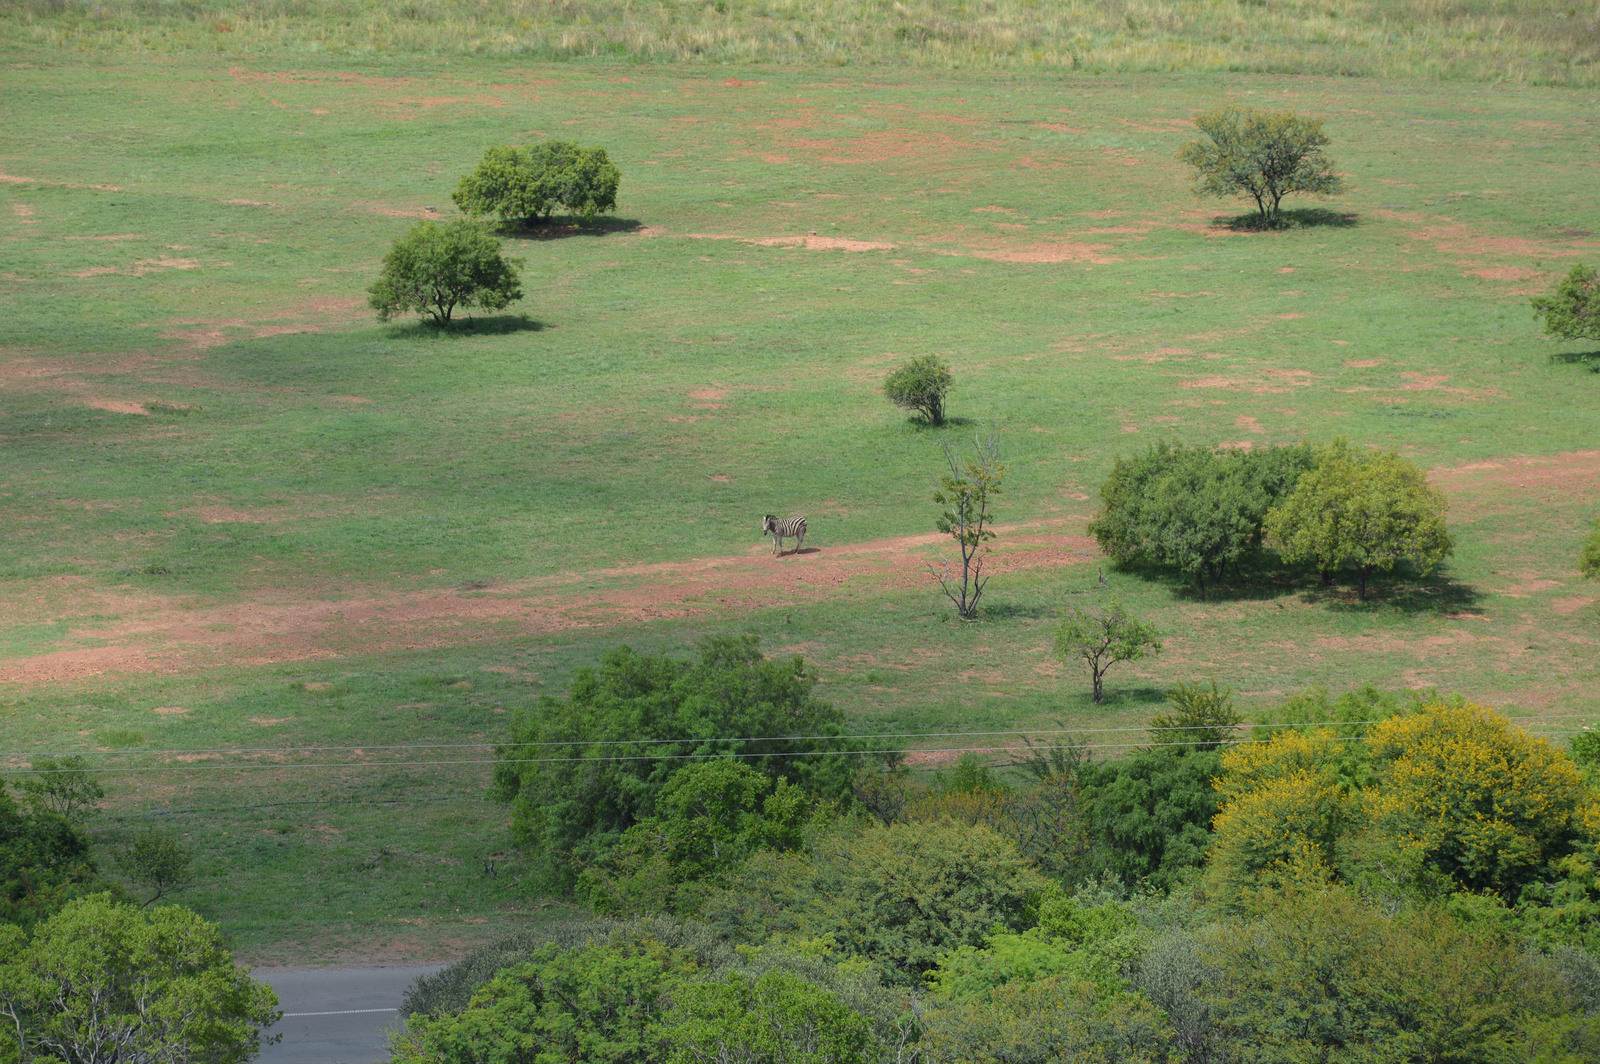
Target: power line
column 732, row 739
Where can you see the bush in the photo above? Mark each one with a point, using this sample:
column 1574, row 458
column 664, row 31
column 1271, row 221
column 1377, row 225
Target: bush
column 435, row 268
column 1365, row 513
column 1589, row 555
column 1199, row 510
column 44, row 862
column 580, row 771
column 920, row 385
column 529, row 184
column 1572, row 311
column 776, row 1018
column 1262, row 154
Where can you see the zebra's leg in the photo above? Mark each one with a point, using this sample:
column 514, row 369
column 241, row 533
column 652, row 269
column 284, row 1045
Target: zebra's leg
column 799, row 539
column 777, row 543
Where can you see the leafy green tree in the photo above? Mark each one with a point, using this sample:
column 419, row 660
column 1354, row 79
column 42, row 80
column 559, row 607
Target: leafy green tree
column 898, row 896
column 777, row 1018
column 64, row 788
column 434, row 269
column 1367, row 513
column 106, row 983
column 968, row 495
column 1101, row 638
column 1265, row 155
column 1323, row 977
column 1589, row 556
column 920, row 385
column 157, row 863
column 602, row 1003
column 1199, row 510
column 44, row 863
column 1044, row 820
column 529, row 184
column 1572, row 311
column 709, row 817
column 1150, row 813
column 580, row 771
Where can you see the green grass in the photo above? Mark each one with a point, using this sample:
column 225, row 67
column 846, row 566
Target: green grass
column 1536, row 41
column 198, row 243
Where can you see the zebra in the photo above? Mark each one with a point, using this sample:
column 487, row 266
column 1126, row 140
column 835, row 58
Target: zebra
column 781, row 530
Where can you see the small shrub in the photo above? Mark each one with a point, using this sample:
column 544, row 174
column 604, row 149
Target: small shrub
column 1589, row 556
column 436, row 268
column 1572, row 311
column 920, row 385
column 529, row 184
column 1102, row 638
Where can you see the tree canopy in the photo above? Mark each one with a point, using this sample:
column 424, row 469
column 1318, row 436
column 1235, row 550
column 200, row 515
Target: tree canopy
column 435, row 269
column 1572, row 311
column 102, row 982
column 582, row 770
column 1265, row 155
column 1365, row 513
column 1102, row 637
column 920, row 385
column 529, row 184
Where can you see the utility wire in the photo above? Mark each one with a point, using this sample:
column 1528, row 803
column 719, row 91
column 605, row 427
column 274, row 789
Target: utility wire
column 1246, row 726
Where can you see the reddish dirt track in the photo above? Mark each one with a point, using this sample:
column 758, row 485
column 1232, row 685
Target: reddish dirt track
column 164, row 637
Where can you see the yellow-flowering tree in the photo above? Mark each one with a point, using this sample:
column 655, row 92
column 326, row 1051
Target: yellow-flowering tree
column 1472, row 797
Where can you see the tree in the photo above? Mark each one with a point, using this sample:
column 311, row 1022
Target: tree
column 107, row 983
column 1589, row 555
column 920, row 385
column 1262, row 154
column 1322, row 976
column 1200, row 510
column 601, row 1002
column 778, row 1018
column 64, row 788
column 1102, row 637
column 967, row 495
column 580, row 771
column 44, row 863
column 1368, row 513
column 158, row 863
column 435, row 268
column 1572, row 311
column 528, row 184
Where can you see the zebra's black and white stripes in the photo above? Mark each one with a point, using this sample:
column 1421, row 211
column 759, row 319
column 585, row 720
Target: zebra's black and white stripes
column 789, row 528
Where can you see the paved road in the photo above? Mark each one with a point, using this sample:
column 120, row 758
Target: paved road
column 337, row 1015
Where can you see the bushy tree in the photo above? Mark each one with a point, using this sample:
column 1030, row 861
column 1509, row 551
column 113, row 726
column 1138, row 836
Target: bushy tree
column 1365, row 513
column 1045, row 820
column 435, row 269
column 44, row 862
column 1322, row 976
column 103, row 983
column 1102, row 637
column 967, row 492
column 529, row 184
column 63, row 787
column 580, row 771
column 157, row 863
column 708, row 818
column 1572, row 311
column 1150, row 813
column 776, row 1018
column 1589, row 555
column 1265, row 155
column 920, row 385
column 1200, row 510
column 601, row 1002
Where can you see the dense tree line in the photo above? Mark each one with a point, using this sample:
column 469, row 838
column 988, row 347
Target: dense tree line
column 1358, row 878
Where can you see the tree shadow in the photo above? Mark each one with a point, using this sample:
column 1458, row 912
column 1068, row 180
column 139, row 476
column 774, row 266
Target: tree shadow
column 496, row 325
column 1591, row 359
column 1440, row 594
column 1117, row 696
column 565, row 228
column 924, row 425
column 1010, row 611
column 1291, row 218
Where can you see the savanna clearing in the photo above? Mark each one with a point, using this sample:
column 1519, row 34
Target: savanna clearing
column 243, row 519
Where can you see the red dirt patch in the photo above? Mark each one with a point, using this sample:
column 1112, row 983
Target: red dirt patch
column 167, row 637
column 1365, row 363
column 1505, row 273
column 810, row 241
column 117, row 406
column 1067, row 251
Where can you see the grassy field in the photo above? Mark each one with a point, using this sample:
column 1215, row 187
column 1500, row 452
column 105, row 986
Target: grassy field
column 1551, row 42
column 243, row 519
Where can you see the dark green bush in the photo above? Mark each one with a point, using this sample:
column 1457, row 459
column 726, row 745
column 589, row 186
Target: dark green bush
column 435, row 269
column 920, row 385
column 529, row 184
